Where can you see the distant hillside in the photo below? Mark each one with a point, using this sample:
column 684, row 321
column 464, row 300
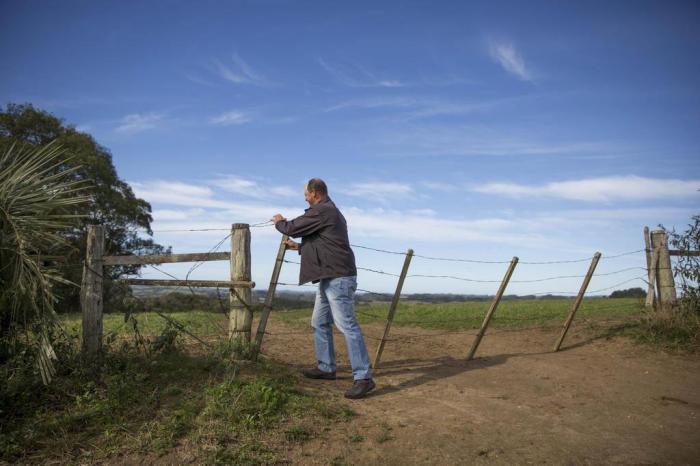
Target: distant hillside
column 289, row 299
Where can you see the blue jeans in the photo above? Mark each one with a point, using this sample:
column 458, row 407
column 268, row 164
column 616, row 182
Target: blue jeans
column 335, row 304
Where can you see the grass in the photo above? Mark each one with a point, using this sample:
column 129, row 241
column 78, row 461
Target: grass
column 468, row 315
column 201, row 323
column 194, row 404
column 128, row 406
column 676, row 330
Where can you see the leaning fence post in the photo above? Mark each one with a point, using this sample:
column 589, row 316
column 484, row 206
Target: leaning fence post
column 392, row 308
column 652, row 279
column 664, row 274
column 647, row 249
column 91, row 289
column 492, row 309
column 267, row 307
column 241, row 314
column 579, row 298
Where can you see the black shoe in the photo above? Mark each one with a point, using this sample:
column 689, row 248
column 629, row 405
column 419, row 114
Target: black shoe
column 317, row 373
column 360, row 388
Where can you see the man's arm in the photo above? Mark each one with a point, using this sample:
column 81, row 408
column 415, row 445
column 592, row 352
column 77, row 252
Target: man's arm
column 304, row 225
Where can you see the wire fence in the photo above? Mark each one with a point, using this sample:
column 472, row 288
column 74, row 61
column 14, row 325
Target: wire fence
column 430, row 323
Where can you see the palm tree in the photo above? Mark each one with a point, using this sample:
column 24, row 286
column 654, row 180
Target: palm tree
column 37, row 201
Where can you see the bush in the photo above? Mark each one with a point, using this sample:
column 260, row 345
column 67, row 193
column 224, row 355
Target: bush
column 686, row 270
column 629, row 293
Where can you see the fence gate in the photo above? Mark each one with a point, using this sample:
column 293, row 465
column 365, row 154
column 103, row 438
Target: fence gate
column 240, row 284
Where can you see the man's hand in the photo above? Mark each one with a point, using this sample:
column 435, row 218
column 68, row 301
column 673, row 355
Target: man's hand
column 292, row 245
column 277, row 218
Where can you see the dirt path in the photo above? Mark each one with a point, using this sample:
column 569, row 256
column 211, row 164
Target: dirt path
column 598, row 401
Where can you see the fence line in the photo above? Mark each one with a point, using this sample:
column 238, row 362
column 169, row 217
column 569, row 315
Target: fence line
column 211, row 254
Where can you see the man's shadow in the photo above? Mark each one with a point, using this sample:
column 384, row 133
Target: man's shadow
column 430, row 370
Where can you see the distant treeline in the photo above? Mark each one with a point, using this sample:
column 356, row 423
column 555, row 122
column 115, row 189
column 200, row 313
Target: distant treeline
column 164, row 299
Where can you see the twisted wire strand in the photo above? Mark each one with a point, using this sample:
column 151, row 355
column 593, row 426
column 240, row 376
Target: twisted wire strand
column 477, row 261
column 208, row 253
column 558, row 277
column 267, row 223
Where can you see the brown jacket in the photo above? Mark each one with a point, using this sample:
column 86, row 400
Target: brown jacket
column 325, row 247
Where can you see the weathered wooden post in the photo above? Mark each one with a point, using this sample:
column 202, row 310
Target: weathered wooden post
column 647, row 250
column 91, row 289
column 651, row 298
column 492, row 309
column 267, row 307
column 392, row 308
column 579, row 298
column 664, row 273
column 241, row 313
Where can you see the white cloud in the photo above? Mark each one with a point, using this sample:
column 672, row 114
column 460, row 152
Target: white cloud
column 414, row 108
column 354, row 75
column 599, row 189
column 441, row 186
column 239, row 72
column 181, row 214
column 136, row 123
column 475, row 140
column 177, row 193
column 379, row 189
column 253, row 188
column 417, row 226
column 509, row 58
column 230, row 118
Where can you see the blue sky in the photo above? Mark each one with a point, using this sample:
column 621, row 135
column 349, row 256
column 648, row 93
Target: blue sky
column 478, row 130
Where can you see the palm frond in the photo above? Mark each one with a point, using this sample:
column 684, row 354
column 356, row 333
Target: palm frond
column 37, row 203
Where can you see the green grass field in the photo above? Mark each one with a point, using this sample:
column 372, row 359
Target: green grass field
column 138, row 405
column 466, row 315
column 448, row 316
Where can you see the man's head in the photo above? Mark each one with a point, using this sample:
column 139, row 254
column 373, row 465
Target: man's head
column 315, row 191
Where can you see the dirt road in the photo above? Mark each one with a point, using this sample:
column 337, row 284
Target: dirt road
column 599, row 401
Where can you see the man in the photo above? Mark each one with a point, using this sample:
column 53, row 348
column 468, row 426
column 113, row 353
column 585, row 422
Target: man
column 327, row 259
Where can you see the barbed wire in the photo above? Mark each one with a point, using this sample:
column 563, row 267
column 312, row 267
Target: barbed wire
column 267, row 223
column 454, row 277
column 479, row 261
column 208, row 253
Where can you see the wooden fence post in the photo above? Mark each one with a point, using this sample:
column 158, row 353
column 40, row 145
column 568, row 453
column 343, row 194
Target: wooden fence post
column 241, row 314
column 647, row 249
column 664, row 274
column 651, row 298
column 392, row 308
column 492, row 309
column 267, row 307
column 91, row 289
column 579, row 298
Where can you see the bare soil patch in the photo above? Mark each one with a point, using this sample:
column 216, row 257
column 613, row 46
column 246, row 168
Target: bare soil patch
column 599, row 400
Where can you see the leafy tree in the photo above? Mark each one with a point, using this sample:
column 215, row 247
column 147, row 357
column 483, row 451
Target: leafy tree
column 687, row 267
column 112, row 203
column 629, row 293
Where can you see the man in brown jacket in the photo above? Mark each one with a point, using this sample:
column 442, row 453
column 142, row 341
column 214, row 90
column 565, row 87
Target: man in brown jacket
column 327, row 259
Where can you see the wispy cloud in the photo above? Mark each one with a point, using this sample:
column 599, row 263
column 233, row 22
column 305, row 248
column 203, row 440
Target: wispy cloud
column 441, row 186
column 411, row 225
column 238, row 71
column 354, row 75
column 599, row 189
column 254, row 188
column 415, row 107
column 508, row 57
column 230, row 118
column 470, row 140
column 379, row 190
column 176, row 193
column 138, row 122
